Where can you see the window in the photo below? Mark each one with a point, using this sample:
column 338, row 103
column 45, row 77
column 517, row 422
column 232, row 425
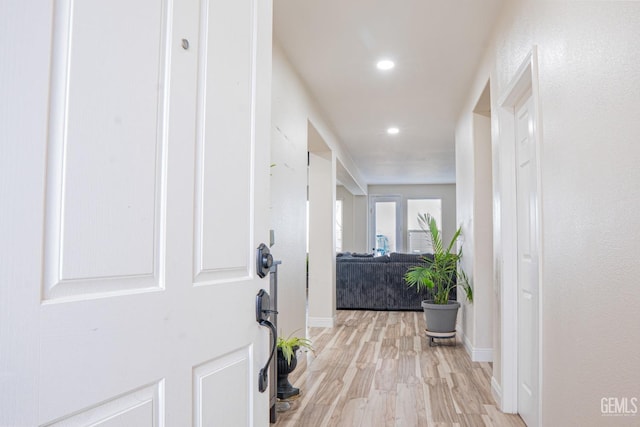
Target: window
column 394, row 224
column 418, row 240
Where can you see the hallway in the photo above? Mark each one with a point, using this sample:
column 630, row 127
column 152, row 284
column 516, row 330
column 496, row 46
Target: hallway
column 377, row 369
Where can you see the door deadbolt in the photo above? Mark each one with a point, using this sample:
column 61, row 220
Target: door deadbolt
column 264, row 260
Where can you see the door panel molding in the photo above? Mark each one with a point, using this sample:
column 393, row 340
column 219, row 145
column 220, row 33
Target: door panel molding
column 143, row 406
column 91, row 208
column 230, row 375
column 218, row 167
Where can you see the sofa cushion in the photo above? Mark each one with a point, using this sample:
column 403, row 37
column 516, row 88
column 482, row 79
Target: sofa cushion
column 362, row 259
column 398, row 257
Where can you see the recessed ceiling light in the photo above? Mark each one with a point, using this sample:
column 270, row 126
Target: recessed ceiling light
column 393, row 130
column 385, row 64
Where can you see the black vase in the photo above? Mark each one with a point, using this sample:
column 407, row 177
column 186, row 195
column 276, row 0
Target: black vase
column 285, row 389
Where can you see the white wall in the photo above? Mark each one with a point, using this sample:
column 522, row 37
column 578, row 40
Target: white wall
column 349, row 222
column 482, row 343
column 322, row 243
column 474, row 213
column 589, row 92
column 289, row 194
column 360, row 224
column 292, row 110
column 464, row 217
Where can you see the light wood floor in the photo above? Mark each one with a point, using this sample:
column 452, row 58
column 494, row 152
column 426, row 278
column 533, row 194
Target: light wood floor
column 376, row 368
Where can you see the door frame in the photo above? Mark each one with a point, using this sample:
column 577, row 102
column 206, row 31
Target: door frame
column 505, row 252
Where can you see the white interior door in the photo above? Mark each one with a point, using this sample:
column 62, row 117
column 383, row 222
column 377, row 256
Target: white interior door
column 527, row 220
column 134, row 192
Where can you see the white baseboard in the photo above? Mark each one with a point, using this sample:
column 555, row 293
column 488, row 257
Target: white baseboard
column 475, row 353
column 321, row 322
column 496, row 391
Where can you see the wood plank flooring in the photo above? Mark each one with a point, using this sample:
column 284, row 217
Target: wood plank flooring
column 375, row 368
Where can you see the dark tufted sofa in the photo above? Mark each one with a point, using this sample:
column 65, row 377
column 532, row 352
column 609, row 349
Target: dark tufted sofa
column 364, row 282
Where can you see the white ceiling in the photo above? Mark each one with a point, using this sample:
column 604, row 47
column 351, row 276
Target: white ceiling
column 436, row 45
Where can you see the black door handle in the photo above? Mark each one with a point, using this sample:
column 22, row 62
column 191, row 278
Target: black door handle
column 263, row 312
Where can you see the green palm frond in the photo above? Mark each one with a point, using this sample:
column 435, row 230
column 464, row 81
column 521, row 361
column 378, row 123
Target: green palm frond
column 442, row 273
column 417, row 276
column 290, row 344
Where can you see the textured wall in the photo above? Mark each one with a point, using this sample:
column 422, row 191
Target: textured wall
column 289, row 193
column 293, row 109
column 474, row 214
column 589, row 91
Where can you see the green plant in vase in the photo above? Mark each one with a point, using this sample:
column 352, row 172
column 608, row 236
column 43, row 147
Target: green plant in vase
column 287, row 362
column 440, row 275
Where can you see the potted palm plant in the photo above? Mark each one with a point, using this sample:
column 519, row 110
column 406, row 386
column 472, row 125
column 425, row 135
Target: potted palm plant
column 440, row 275
column 287, row 362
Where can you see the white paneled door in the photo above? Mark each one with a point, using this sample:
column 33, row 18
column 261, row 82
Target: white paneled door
column 133, row 193
column 528, row 295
